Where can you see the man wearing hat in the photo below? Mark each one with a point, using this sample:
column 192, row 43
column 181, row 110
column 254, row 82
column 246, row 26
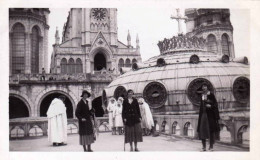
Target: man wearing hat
column 85, row 115
column 208, row 124
column 57, row 122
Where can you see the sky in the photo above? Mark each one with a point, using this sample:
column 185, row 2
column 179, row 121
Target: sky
column 153, row 24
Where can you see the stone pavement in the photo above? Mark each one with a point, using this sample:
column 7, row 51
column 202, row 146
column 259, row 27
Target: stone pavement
column 110, row 143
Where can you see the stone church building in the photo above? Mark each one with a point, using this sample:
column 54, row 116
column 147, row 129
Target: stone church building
column 88, row 57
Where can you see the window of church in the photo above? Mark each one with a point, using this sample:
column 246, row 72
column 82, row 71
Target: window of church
column 121, row 63
column 134, row 61
column 71, row 66
column 194, row 90
column 212, row 43
column 241, row 89
column 35, row 50
column 63, row 65
column 79, row 67
column 155, row 94
column 225, row 45
column 127, row 63
column 18, row 49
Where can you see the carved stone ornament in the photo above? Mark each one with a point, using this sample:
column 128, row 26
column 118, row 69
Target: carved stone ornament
column 194, row 90
column 120, row 92
column 155, row 94
column 241, row 89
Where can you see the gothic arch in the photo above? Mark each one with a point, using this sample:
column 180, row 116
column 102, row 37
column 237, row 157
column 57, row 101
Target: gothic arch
column 225, row 44
column 63, row 65
column 48, row 91
column 105, row 51
column 16, row 23
column 121, row 63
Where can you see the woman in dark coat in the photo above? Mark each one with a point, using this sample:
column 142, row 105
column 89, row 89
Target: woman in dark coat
column 85, row 118
column 208, row 118
column 132, row 119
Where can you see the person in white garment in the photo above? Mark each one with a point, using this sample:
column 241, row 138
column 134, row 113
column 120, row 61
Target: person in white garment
column 117, row 115
column 57, row 122
column 147, row 118
column 110, row 108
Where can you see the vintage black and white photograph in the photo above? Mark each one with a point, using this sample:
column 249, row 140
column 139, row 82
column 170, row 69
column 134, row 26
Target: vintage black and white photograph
column 117, row 80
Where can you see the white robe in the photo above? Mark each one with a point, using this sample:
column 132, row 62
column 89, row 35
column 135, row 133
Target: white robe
column 110, row 109
column 117, row 114
column 57, row 122
column 147, row 118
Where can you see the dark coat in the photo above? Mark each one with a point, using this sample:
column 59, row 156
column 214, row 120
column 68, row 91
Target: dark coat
column 82, row 111
column 212, row 113
column 131, row 112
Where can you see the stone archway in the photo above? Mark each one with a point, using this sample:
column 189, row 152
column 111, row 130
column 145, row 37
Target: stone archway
column 97, row 105
column 18, row 108
column 46, row 101
column 100, row 61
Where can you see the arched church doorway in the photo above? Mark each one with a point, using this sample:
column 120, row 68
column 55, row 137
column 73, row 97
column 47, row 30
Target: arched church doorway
column 17, row 108
column 100, row 62
column 97, row 105
column 47, row 101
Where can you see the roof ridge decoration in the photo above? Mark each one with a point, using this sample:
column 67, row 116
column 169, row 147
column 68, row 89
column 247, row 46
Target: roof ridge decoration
column 182, row 43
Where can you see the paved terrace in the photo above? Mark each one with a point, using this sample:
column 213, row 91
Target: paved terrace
column 110, row 143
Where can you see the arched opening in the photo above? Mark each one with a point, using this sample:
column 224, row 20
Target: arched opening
column 63, row 65
column 18, row 49
column 35, row 41
column 224, row 135
column 225, row 45
column 165, row 127
column 127, row 63
column 212, row 43
column 71, row 66
column 188, row 130
column 120, row 63
column 79, row 68
column 97, row 105
column 47, row 101
column 17, row 108
column 243, row 135
column 175, row 128
column 134, row 61
column 100, row 62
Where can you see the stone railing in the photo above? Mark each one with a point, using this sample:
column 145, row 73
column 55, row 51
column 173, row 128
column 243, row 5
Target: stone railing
column 78, row 77
column 232, row 128
column 38, row 126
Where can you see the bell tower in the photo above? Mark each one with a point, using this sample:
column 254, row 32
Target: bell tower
column 95, row 20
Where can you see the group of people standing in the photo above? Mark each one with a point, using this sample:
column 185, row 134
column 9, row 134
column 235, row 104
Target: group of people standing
column 130, row 114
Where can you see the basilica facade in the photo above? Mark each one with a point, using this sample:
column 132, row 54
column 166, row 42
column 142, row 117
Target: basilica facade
column 88, row 57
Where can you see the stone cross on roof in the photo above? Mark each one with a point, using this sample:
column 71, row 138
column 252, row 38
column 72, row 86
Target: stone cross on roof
column 179, row 17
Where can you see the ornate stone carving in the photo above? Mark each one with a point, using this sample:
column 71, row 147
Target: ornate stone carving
column 120, row 92
column 181, row 43
column 241, row 89
column 194, row 90
column 155, row 94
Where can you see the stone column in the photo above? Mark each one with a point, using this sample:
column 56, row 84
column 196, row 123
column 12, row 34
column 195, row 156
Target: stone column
column 27, row 57
column 231, row 49
column 219, row 47
column 88, row 66
column 10, row 53
column 46, row 51
column 41, row 54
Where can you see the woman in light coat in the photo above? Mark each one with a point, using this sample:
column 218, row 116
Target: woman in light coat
column 147, row 118
column 110, row 108
column 117, row 115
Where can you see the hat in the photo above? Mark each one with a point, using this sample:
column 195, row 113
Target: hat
column 62, row 97
column 83, row 92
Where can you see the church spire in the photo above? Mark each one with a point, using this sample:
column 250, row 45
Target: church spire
column 57, row 37
column 128, row 39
